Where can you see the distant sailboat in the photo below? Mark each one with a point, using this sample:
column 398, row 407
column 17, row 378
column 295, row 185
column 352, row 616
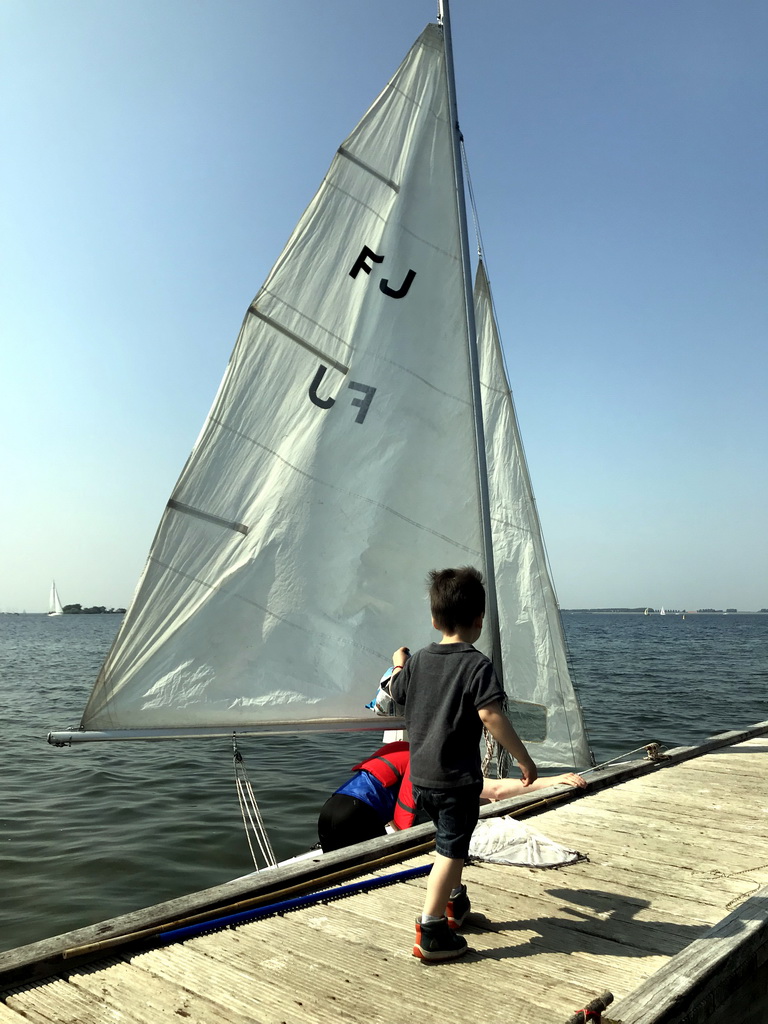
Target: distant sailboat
column 661, row 611
column 55, row 605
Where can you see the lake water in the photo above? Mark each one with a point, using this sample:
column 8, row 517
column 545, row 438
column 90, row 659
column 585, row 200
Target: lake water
column 94, row 831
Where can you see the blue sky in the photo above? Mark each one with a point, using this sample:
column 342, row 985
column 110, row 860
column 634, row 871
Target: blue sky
column 156, row 156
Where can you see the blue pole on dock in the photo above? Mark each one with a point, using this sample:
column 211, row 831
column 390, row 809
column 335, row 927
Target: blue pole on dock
column 308, row 900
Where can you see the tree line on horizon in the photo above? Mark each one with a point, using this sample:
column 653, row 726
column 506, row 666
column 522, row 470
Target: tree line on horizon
column 77, row 609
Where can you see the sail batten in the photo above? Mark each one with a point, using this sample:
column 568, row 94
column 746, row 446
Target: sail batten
column 271, row 322
column 366, row 167
column 227, row 524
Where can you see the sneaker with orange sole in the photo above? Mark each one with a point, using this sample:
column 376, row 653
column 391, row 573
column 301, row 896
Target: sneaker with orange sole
column 436, row 941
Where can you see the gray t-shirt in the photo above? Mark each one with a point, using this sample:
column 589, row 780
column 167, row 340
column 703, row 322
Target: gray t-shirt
column 443, row 687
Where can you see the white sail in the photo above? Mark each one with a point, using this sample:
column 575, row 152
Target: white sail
column 532, row 642
column 338, row 465
column 55, row 603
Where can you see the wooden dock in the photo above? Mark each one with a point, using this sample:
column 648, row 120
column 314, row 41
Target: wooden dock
column 668, row 913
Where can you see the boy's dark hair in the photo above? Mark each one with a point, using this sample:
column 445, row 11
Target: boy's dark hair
column 456, row 597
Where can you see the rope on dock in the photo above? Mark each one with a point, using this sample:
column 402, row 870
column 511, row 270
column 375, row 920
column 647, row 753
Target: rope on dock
column 653, row 752
column 741, row 897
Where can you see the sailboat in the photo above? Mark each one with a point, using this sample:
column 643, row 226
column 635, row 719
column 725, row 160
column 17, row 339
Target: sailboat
column 364, row 433
column 661, row 611
column 55, row 603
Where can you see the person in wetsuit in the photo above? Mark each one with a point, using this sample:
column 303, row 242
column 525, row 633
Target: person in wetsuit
column 377, row 795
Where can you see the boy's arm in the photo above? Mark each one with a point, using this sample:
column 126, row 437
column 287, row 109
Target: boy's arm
column 399, row 658
column 500, row 727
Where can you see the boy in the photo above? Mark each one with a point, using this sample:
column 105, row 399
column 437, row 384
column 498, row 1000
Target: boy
column 450, row 691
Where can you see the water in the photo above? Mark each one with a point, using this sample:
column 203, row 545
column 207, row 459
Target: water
column 94, row 831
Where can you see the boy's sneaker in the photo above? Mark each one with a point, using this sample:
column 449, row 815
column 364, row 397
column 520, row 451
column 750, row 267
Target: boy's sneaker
column 458, row 908
column 436, row 941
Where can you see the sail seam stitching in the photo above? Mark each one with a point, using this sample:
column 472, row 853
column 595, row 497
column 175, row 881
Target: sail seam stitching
column 321, row 637
column 254, row 311
column 352, row 494
column 512, row 524
column 405, row 230
column 496, row 390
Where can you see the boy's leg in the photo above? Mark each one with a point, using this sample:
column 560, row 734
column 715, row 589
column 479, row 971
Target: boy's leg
column 455, row 813
column 443, row 878
column 435, row 939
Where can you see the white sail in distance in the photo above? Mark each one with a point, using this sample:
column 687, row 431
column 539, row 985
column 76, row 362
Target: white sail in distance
column 55, row 603
column 542, row 701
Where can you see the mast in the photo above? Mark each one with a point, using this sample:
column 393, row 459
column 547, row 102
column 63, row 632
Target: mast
column 474, row 361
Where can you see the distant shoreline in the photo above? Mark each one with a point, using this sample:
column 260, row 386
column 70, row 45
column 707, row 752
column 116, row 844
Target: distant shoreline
column 668, row 612
column 564, row 611
column 77, row 611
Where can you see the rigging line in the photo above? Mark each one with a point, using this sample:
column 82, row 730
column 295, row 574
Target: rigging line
column 245, row 826
column 470, row 325
column 247, row 801
column 249, row 809
column 261, row 832
column 472, row 203
column 604, row 764
column 257, row 826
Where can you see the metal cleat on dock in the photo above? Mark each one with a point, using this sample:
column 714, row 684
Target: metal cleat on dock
column 653, row 752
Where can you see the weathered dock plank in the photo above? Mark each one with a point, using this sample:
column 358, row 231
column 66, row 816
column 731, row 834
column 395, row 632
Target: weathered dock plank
column 717, row 979
column 8, row 1016
column 664, row 913
column 148, row 998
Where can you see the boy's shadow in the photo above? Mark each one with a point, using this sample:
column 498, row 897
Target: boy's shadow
column 602, row 923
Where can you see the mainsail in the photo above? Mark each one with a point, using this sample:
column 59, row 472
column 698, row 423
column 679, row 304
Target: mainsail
column 338, row 465
column 55, row 603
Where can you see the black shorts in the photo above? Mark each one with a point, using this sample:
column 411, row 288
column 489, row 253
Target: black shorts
column 455, row 813
column 344, row 820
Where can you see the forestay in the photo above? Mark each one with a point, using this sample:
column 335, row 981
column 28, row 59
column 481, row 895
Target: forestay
column 338, row 466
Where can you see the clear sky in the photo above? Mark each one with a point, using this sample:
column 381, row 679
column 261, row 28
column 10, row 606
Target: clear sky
column 156, row 155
